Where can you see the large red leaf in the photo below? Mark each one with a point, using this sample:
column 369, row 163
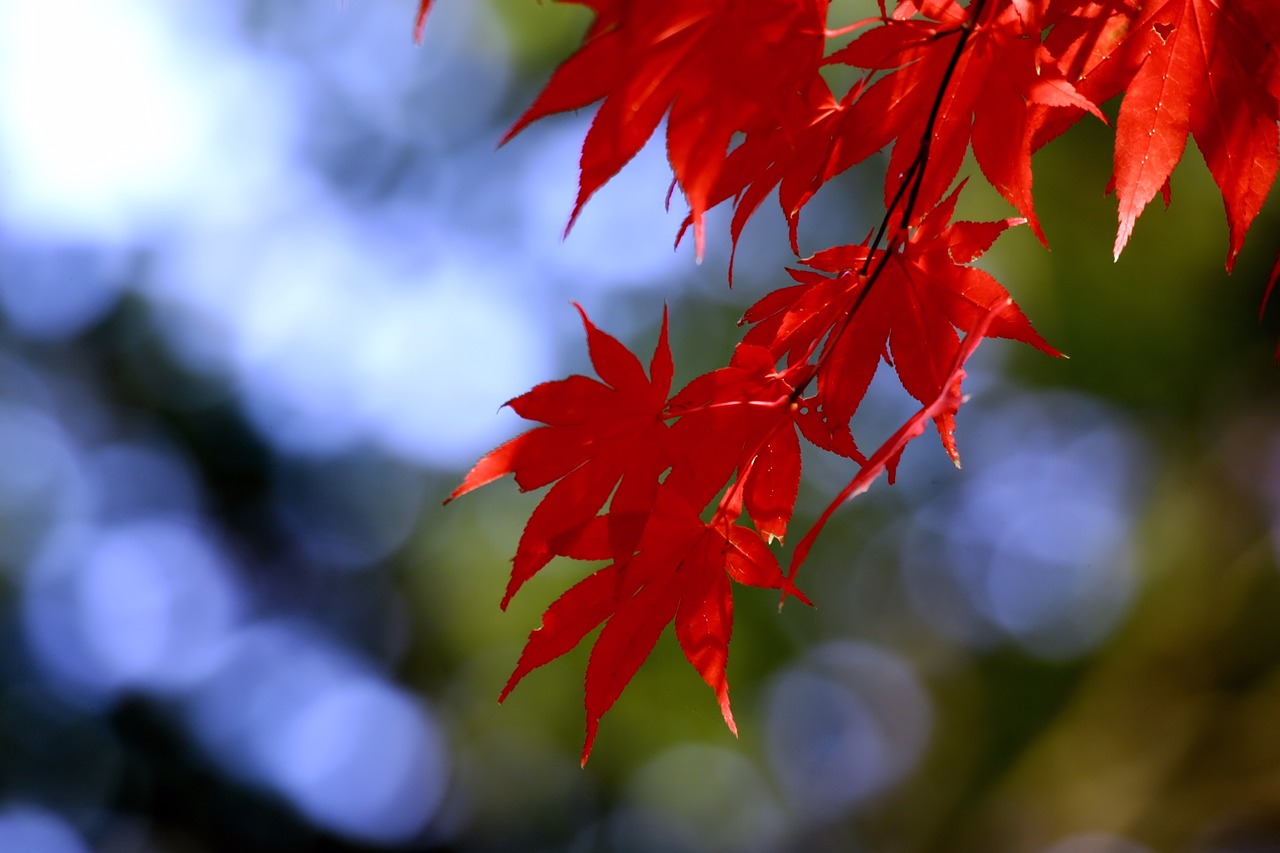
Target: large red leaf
column 1197, row 67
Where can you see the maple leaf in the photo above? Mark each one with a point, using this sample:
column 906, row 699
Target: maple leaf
column 790, row 323
column 801, row 151
column 983, row 92
column 741, row 417
column 680, row 573
column 1083, row 38
column 1194, row 67
column 599, row 436
column 1004, row 88
column 943, row 407
column 713, row 68
column 920, row 297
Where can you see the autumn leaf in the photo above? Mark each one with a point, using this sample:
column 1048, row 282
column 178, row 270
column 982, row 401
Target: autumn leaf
column 909, row 315
column 941, row 408
column 1196, row 70
column 712, row 68
column 600, row 436
column 681, row 573
column 1084, row 39
column 1001, row 91
column 741, row 418
column 983, row 94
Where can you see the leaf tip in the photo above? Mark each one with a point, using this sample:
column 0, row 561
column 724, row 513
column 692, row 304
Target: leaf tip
column 592, row 725
column 727, row 713
column 790, row 590
column 461, row 490
column 1122, row 237
column 420, row 23
column 512, row 586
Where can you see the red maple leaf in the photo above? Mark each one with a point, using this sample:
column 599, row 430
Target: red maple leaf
column 1001, row 89
column 713, row 68
column 600, row 439
column 680, row 573
column 1205, row 68
column 943, row 407
column 990, row 92
column 668, row 565
column 920, row 297
column 807, row 146
column 742, row 417
column 1083, row 38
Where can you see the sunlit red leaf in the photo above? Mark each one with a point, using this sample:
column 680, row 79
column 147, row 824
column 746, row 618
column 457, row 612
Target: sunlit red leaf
column 600, row 436
column 911, row 313
column 944, row 407
column 680, row 574
column 1197, row 71
column 993, row 89
column 712, row 68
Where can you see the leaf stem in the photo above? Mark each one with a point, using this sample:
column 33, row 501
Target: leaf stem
column 912, row 181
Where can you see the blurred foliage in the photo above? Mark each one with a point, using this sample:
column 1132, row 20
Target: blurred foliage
column 540, row 35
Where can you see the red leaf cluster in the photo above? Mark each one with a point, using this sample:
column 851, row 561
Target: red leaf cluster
column 681, row 495
column 711, row 68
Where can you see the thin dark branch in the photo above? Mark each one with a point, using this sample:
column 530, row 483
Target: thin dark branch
column 910, row 185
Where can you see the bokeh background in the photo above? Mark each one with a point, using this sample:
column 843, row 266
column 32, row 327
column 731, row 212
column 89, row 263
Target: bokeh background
column 265, row 283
